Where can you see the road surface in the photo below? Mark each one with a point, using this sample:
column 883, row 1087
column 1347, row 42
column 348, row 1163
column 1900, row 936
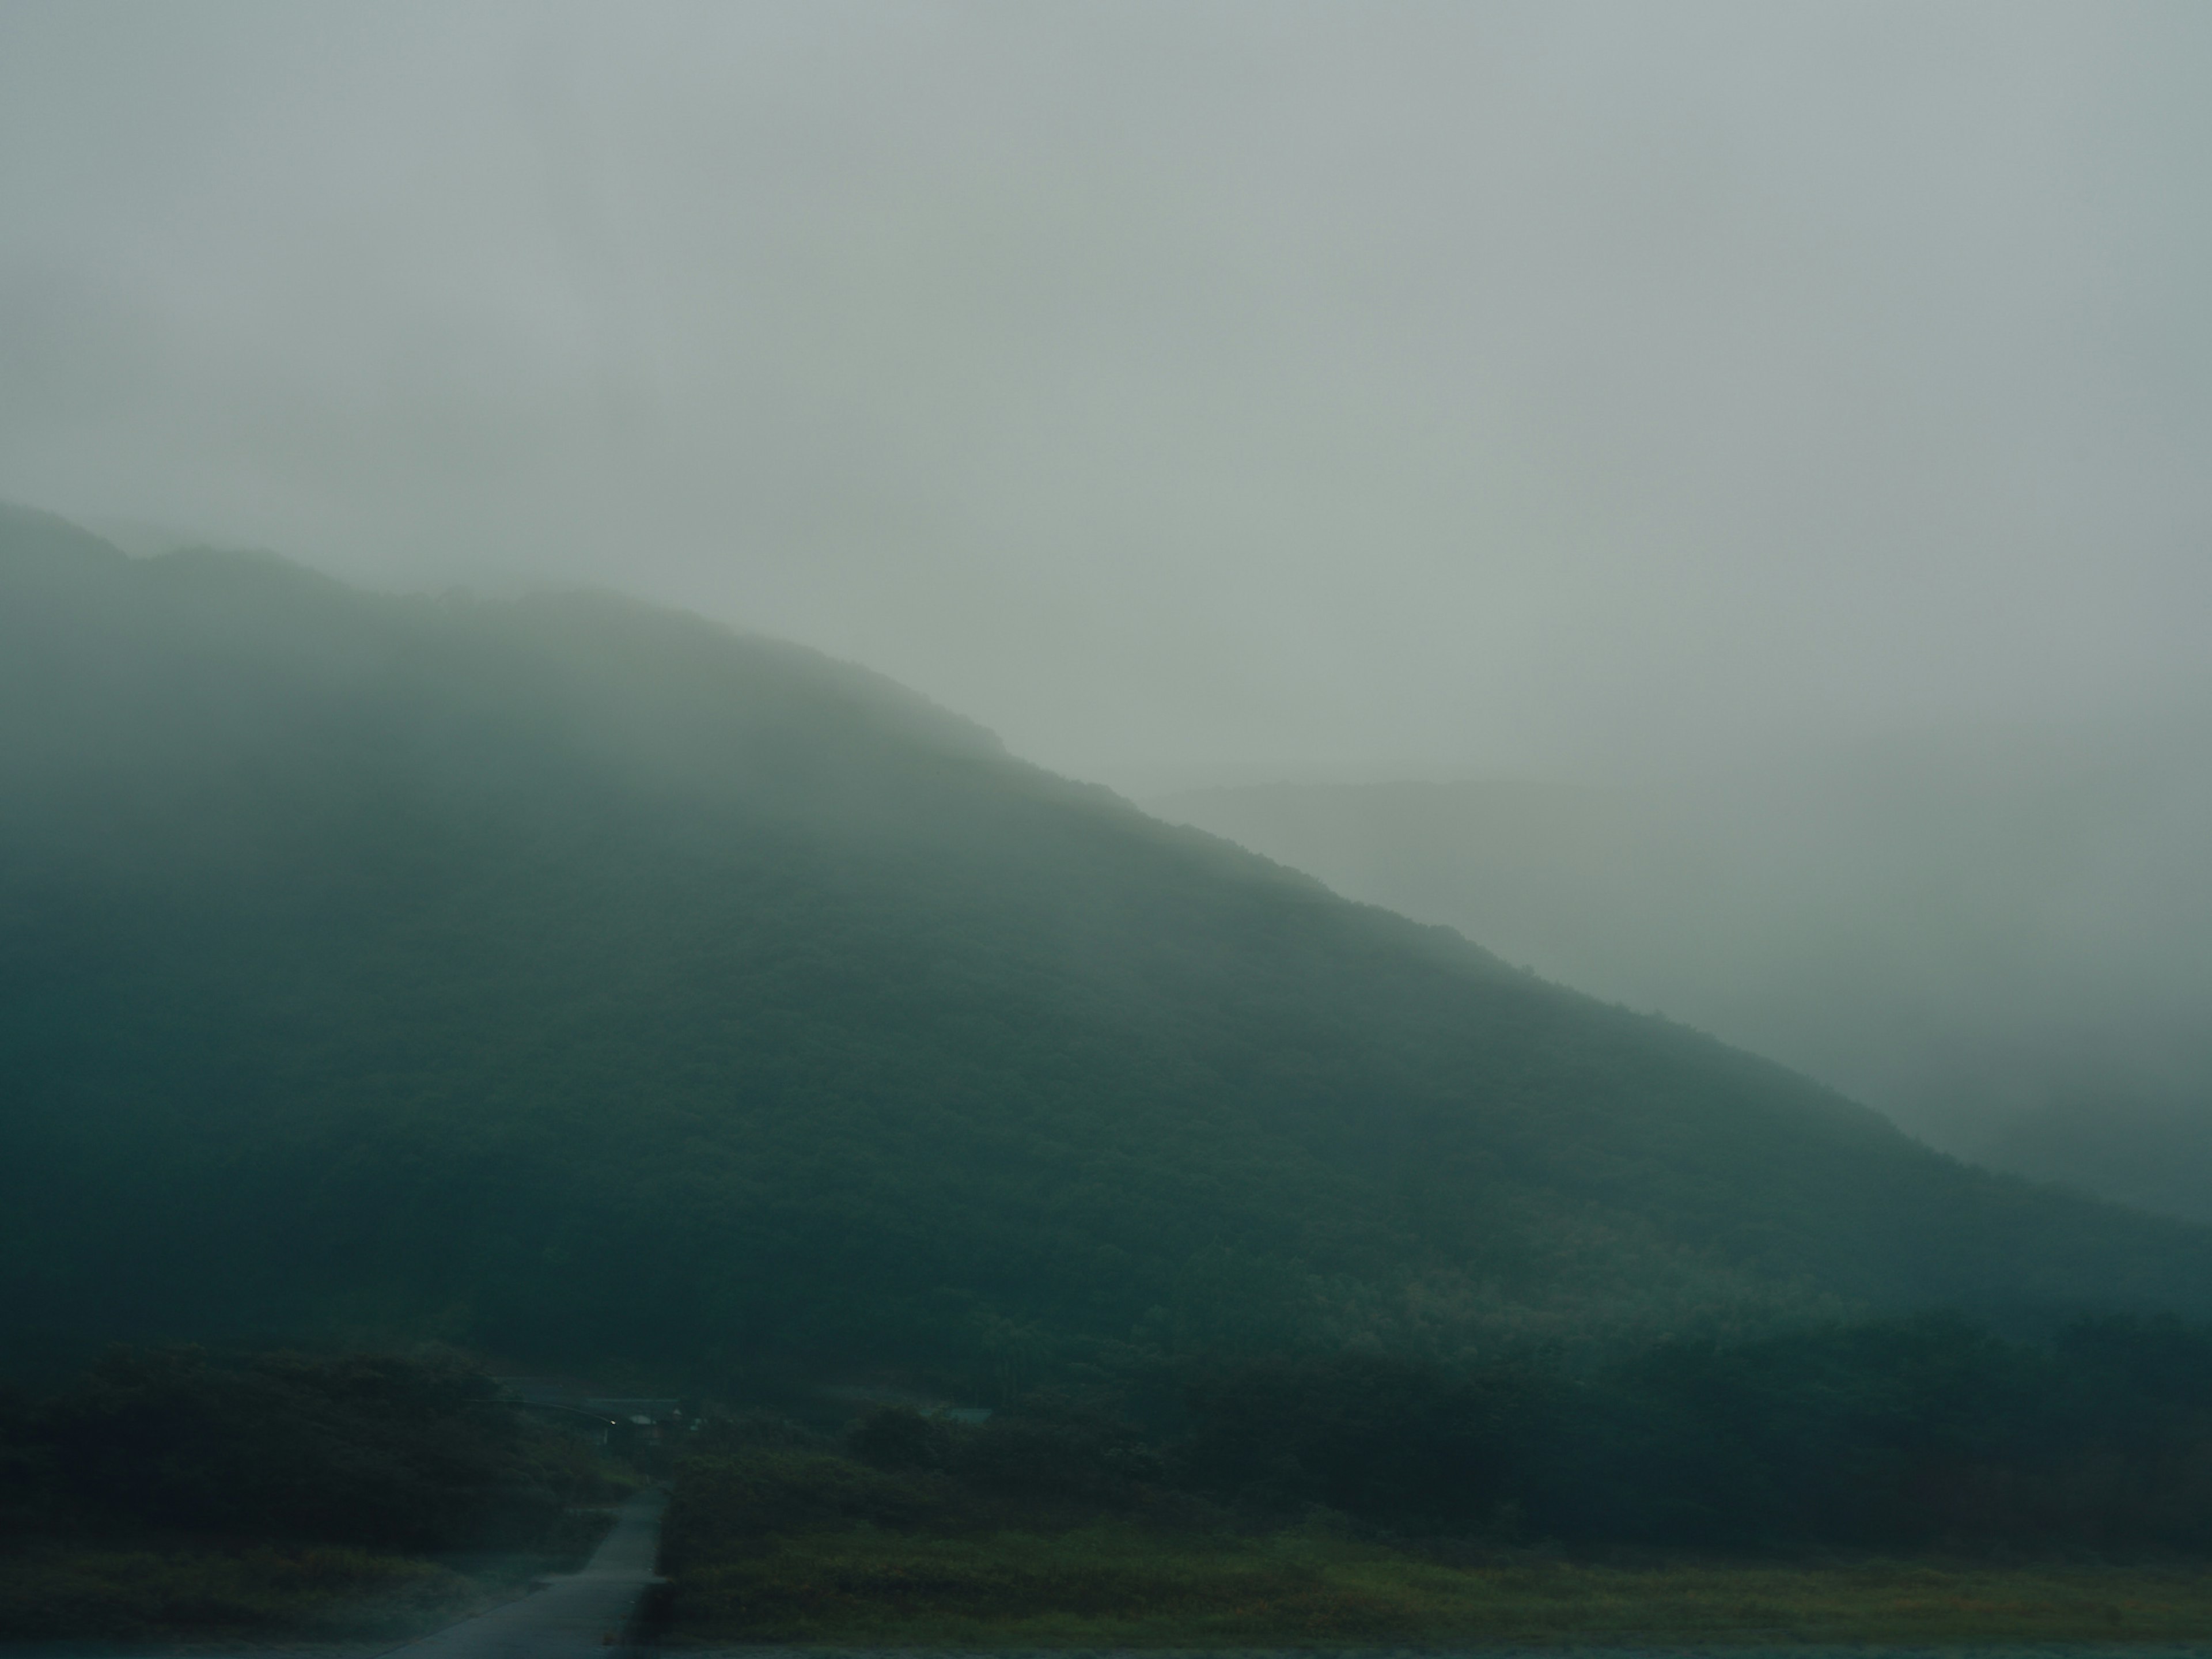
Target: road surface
column 576, row 1614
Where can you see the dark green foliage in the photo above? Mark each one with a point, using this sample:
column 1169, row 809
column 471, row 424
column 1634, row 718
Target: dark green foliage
column 167, row 1493
column 1392, row 1440
column 223, row 1591
column 1047, row 1448
column 1902, row 1434
column 728, row 1502
column 1868, row 1435
column 1051, row 1463
column 1885, row 1434
column 583, row 982
column 353, row 1449
column 1054, row 1451
column 897, row 1437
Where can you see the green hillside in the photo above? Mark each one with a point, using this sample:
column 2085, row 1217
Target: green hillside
column 1996, row 937
column 587, row 982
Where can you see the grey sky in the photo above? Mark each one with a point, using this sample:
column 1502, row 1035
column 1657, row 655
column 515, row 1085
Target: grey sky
column 1187, row 391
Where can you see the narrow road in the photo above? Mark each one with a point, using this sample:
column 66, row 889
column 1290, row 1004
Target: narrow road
column 575, row 1614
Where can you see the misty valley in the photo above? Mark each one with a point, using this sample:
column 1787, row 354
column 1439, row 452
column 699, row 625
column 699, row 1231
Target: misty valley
column 992, row 1215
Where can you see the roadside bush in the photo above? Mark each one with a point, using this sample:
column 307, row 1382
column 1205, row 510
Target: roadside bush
column 1397, row 1442
column 899, row 1437
column 322, row 1590
column 729, row 1503
column 1053, row 1450
column 356, row 1449
column 1897, row 1434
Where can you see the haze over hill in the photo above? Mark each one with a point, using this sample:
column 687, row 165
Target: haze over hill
column 1687, row 399
column 1193, row 394
column 587, row 981
column 2003, row 941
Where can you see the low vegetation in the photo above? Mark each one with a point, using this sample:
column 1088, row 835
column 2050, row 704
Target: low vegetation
column 187, row 1588
column 166, row 1491
column 1120, row 1587
column 1903, row 1481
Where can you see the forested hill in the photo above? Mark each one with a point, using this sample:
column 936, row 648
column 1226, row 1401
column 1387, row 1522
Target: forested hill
column 584, row 981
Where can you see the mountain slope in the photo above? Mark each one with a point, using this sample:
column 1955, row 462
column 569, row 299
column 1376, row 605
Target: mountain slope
column 587, row 981
column 2003, row 941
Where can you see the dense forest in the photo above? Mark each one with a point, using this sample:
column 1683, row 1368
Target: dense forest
column 592, row 984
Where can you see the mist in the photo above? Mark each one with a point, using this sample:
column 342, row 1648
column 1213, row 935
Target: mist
column 1999, row 942
column 1190, row 393
column 1628, row 398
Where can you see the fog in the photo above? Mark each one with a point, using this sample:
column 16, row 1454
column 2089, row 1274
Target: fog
column 1187, row 391
column 1201, row 394
column 2000, row 943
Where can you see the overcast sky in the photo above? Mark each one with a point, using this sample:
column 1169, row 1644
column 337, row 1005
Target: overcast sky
column 1190, row 392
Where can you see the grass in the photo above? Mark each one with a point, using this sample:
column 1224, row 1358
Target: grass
column 64, row 1592
column 1120, row 1586
column 195, row 1589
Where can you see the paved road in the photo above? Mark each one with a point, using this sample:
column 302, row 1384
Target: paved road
column 575, row 1615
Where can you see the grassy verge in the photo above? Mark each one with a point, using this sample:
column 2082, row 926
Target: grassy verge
column 192, row 1589
column 1122, row 1586
column 328, row 1592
